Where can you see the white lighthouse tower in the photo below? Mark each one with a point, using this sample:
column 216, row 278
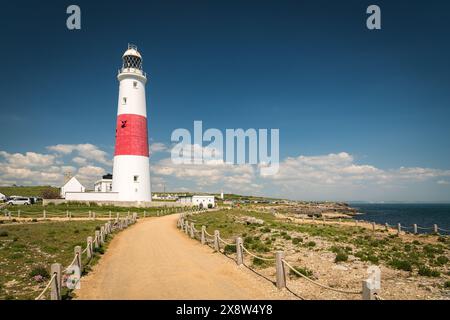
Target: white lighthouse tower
column 131, row 168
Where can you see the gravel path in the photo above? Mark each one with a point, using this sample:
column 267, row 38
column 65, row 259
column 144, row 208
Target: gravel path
column 154, row 260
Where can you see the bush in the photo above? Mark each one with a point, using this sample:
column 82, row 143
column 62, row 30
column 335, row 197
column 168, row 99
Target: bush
column 3, row 234
column 427, row 272
column 34, row 220
column 311, row 244
column 210, row 205
column 40, row 271
column 447, row 284
column 50, row 193
column 229, row 249
column 304, row 271
column 260, row 263
column 297, row 240
column 401, row 265
column 441, row 260
column 340, row 257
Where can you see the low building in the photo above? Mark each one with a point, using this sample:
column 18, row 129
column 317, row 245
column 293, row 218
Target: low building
column 104, row 184
column 196, row 200
column 72, row 185
column 2, row 197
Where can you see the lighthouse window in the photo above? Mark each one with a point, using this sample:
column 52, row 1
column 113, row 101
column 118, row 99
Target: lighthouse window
column 135, row 178
column 124, row 100
column 135, row 84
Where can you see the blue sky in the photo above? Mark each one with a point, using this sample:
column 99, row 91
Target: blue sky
column 363, row 115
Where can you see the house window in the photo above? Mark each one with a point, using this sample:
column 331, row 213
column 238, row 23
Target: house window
column 124, row 100
column 136, row 178
column 135, row 84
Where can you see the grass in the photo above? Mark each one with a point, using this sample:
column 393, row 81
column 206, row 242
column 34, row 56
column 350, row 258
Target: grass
column 34, row 191
column 30, row 249
column 303, row 270
column 77, row 210
column 379, row 248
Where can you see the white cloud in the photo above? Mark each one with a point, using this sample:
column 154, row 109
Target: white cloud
column 443, row 182
column 80, row 161
column 86, row 150
column 158, row 147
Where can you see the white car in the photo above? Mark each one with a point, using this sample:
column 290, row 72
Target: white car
column 19, row 201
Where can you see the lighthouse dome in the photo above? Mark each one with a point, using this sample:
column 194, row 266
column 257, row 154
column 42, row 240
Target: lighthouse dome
column 132, row 58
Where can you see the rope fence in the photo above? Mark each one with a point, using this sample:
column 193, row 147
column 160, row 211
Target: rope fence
column 74, row 270
column 370, row 286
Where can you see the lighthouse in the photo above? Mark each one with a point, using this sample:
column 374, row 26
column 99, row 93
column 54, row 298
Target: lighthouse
column 131, row 167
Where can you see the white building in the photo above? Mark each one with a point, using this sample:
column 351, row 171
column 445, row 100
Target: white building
column 2, row 197
column 201, row 201
column 104, row 184
column 72, row 185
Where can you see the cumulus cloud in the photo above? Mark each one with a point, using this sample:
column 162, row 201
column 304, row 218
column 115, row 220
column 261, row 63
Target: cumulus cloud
column 158, row 147
column 86, row 150
column 31, row 168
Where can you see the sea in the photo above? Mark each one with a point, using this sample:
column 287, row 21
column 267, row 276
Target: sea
column 425, row 215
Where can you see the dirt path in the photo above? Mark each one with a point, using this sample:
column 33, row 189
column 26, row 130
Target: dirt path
column 154, row 260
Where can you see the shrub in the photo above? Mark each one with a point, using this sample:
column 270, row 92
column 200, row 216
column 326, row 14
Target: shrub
column 265, row 230
column 210, row 205
column 40, row 271
column 341, row 256
column 229, row 249
column 416, row 242
column 304, row 271
column 447, row 284
column 34, row 220
column 297, row 240
column 441, row 260
column 427, row 272
column 50, row 193
column 401, row 265
column 311, row 244
column 260, row 263
column 3, row 234
column 99, row 250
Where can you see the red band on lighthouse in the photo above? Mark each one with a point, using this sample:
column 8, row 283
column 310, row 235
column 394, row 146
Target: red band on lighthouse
column 131, row 135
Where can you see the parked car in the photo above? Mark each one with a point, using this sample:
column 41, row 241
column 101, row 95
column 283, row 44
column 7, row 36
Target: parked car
column 19, row 201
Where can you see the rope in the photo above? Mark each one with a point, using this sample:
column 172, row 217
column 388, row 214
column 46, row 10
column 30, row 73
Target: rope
column 209, row 235
column 227, row 243
column 46, row 287
column 423, row 228
column 377, row 297
column 445, row 230
column 72, row 263
column 317, row 283
column 84, row 251
column 255, row 256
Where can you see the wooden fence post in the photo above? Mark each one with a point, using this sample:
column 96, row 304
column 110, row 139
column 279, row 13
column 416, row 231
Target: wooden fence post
column 117, row 217
column 145, row 214
column 386, row 226
column 93, row 215
column 216, row 240
column 372, row 285
column 90, row 250
column 18, row 213
column 90, row 215
column 192, row 230
column 399, row 228
column 203, row 235
column 77, row 252
column 239, row 257
column 281, row 273
column 96, row 240
column 373, row 226
column 55, row 293
column 102, row 235
column 436, row 229
column 415, row 228
column 67, row 214
column 44, row 214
